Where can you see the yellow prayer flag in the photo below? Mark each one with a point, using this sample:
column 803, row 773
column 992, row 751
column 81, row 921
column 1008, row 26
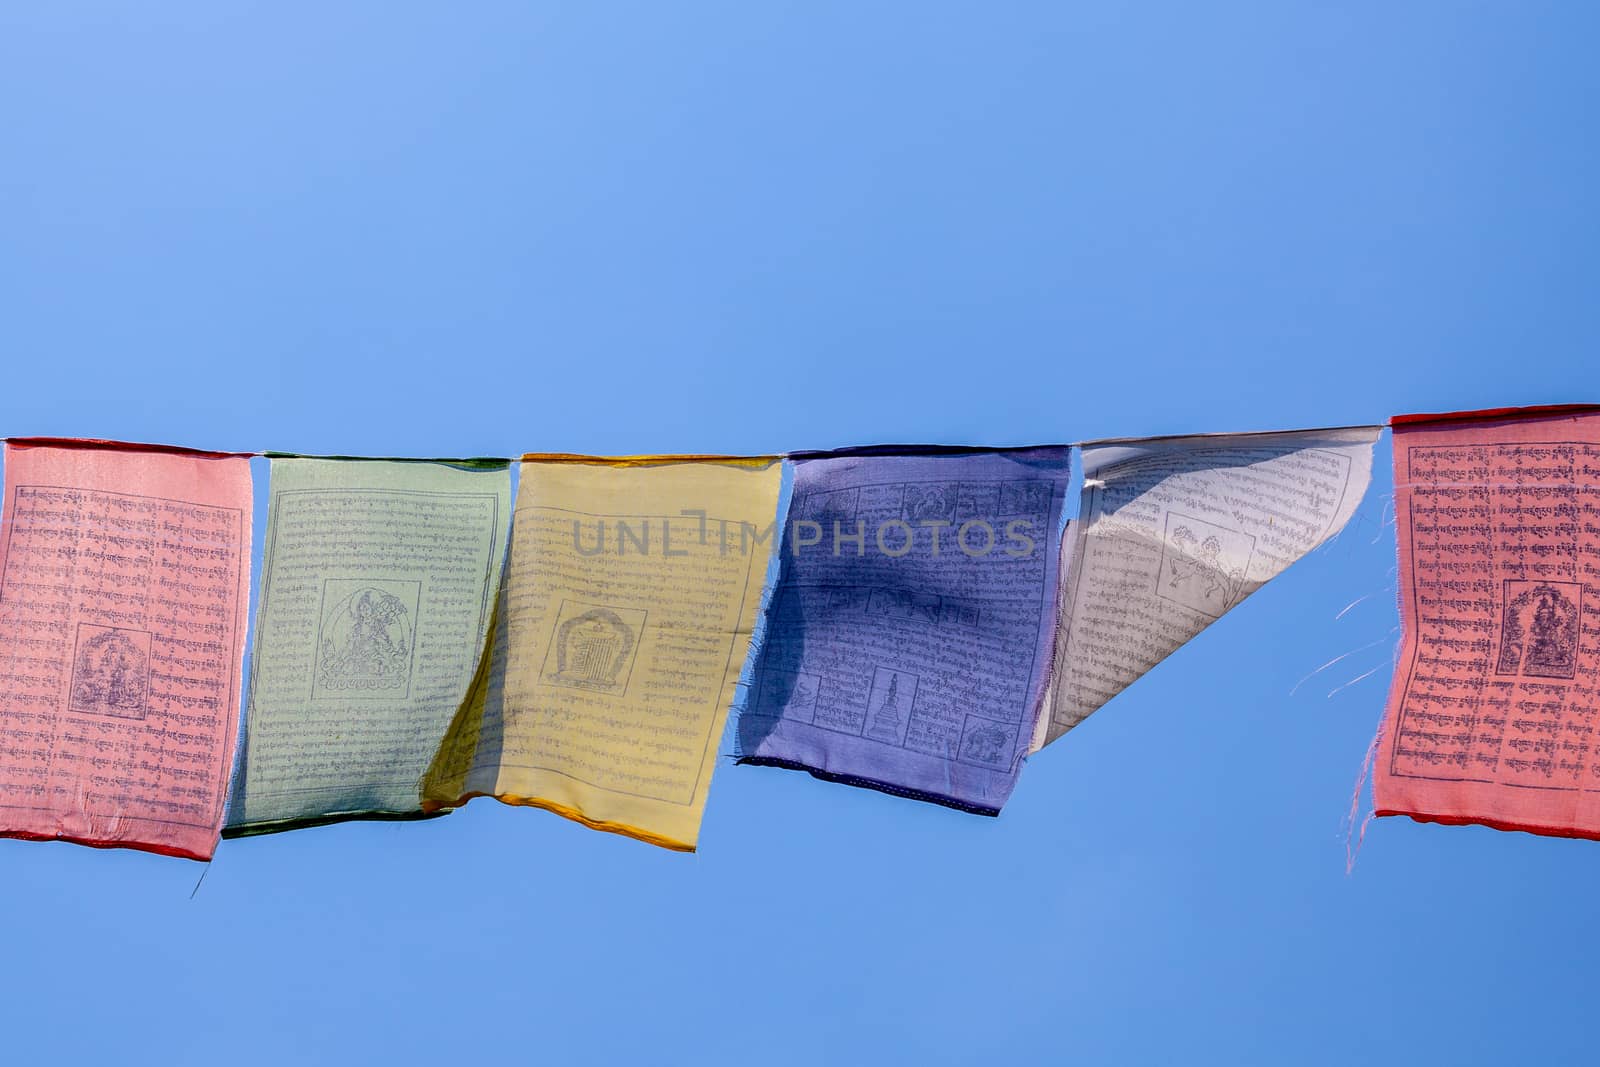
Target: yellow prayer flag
column 631, row 594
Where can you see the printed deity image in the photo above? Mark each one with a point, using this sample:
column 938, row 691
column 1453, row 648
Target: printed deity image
column 366, row 644
column 111, row 672
column 1539, row 637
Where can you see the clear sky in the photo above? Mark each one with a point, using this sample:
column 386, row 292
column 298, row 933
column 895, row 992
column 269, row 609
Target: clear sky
column 464, row 229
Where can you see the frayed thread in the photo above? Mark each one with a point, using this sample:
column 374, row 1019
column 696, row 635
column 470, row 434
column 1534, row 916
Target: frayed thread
column 1350, row 831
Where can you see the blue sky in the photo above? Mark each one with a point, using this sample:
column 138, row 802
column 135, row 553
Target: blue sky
column 445, row 229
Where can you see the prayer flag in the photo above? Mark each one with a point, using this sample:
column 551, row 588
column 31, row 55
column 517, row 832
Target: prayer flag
column 1173, row 532
column 124, row 580
column 908, row 639
column 378, row 580
column 632, row 590
column 1491, row 716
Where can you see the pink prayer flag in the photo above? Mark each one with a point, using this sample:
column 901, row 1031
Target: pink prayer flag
column 124, row 581
column 1492, row 715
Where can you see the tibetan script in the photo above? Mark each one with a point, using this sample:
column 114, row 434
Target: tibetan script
column 909, row 635
column 378, row 579
column 1174, row 532
column 124, row 582
column 630, row 597
column 1493, row 712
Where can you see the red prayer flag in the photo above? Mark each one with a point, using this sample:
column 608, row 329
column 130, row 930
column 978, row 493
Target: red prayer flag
column 124, row 579
column 1492, row 715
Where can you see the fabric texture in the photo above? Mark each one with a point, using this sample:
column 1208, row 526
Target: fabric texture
column 1491, row 716
column 378, row 581
column 124, row 581
column 908, row 640
column 1174, row 532
column 630, row 598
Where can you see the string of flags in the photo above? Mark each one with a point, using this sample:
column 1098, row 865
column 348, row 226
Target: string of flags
column 912, row 619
